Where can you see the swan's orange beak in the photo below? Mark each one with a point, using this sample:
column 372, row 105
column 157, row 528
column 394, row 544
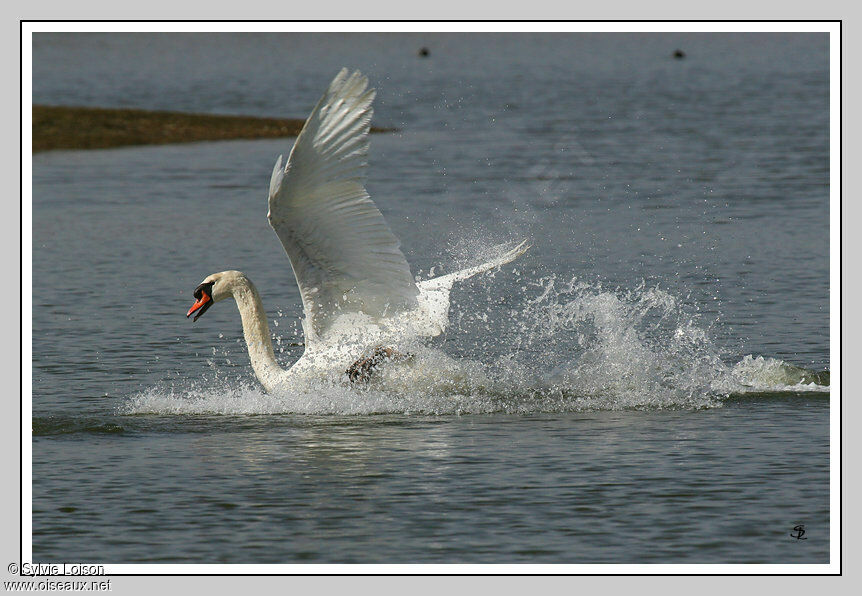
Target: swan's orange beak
column 202, row 304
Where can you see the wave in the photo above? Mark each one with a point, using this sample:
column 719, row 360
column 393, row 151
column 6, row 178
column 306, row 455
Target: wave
column 566, row 346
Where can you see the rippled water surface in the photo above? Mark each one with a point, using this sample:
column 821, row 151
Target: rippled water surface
column 649, row 383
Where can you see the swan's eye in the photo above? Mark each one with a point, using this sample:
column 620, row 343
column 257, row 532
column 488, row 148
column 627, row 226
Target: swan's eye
column 208, row 286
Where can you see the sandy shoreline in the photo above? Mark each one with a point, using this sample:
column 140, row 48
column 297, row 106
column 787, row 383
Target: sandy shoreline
column 62, row 127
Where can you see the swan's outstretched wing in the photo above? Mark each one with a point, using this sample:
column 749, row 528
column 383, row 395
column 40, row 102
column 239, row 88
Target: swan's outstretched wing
column 343, row 254
column 434, row 293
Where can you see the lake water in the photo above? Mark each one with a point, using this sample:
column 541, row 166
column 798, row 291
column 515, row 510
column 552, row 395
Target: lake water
column 649, row 383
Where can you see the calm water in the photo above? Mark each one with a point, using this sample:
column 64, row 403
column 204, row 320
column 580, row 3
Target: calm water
column 647, row 384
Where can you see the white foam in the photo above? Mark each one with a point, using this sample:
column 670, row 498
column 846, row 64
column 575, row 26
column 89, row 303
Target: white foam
column 571, row 346
column 756, row 374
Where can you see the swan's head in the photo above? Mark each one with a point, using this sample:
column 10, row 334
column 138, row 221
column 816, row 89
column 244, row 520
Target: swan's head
column 214, row 288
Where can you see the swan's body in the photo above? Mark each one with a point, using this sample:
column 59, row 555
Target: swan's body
column 356, row 286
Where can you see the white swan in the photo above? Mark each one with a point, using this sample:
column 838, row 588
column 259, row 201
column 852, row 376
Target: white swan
column 356, row 286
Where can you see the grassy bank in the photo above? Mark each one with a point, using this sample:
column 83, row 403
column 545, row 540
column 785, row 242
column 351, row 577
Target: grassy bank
column 60, row 127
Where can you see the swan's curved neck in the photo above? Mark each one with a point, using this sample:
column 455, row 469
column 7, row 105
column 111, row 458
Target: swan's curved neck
column 256, row 330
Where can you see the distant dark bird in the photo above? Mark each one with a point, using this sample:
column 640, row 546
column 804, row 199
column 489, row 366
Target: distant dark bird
column 424, row 52
column 679, row 54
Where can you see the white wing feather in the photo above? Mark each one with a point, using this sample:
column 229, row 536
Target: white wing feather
column 344, row 256
column 433, row 312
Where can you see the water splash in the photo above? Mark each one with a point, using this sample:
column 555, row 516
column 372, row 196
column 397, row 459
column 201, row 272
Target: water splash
column 547, row 345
